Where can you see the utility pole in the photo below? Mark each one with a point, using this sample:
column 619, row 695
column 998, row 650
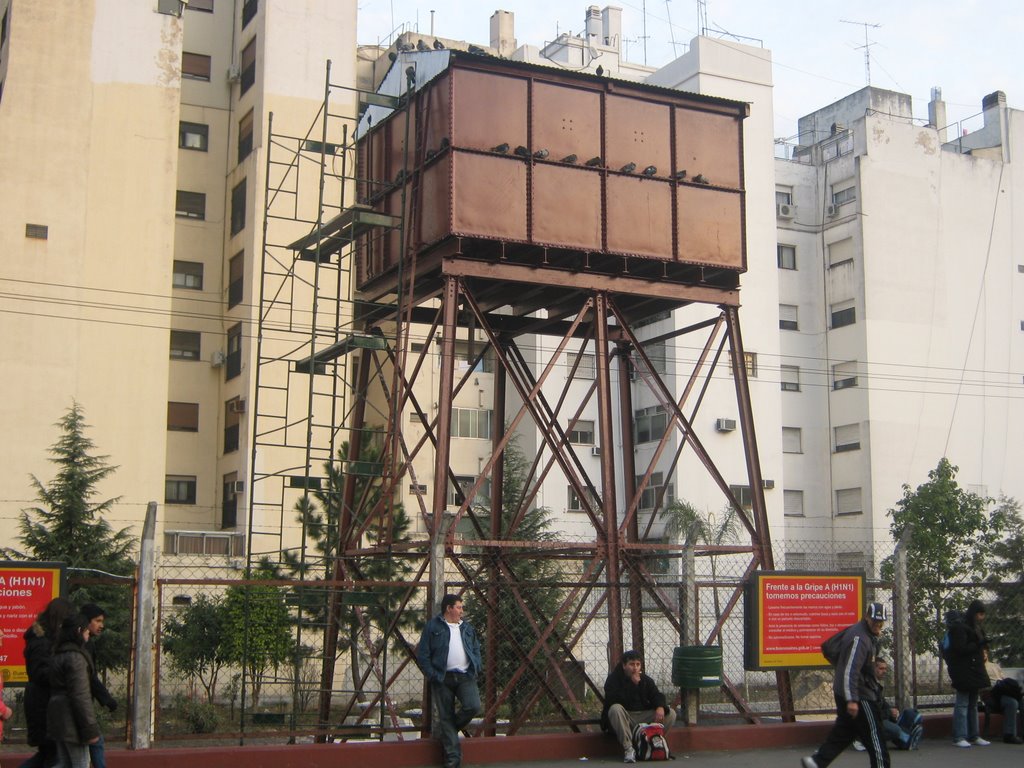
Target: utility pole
column 867, row 45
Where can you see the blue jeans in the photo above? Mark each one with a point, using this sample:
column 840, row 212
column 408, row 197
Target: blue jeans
column 1009, row 706
column 97, row 755
column 461, row 687
column 965, row 716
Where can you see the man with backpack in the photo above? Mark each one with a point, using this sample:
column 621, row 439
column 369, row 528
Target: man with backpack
column 857, row 692
column 968, row 647
column 631, row 698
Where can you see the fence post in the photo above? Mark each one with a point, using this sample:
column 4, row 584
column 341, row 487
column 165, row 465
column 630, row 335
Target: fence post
column 142, row 693
column 901, row 624
column 688, row 618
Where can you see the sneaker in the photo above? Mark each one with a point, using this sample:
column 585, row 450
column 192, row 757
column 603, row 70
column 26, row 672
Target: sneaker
column 859, row 745
column 808, row 762
column 915, row 737
column 630, row 756
column 962, row 743
column 980, row 742
column 1010, row 739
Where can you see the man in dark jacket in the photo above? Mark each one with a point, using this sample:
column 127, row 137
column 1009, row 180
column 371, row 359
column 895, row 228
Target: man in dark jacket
column 968, row 647
column 630, row 698
column 70, row 717
column 857, row 694
column 97, row 618
column 449, row 656
column 39, row 641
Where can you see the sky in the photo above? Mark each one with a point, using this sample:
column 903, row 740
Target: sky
column 965, row 48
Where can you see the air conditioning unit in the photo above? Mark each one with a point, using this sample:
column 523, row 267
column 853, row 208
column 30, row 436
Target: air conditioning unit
column 768, row 484
column 785, row 210
column 595, row 450
column 217, row 359
column 234, row 74
column 237, row 405
column 239, row 486
column 725, row 425
column 832, row 210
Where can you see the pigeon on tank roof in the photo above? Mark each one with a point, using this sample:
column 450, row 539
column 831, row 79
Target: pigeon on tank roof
column 628, row 168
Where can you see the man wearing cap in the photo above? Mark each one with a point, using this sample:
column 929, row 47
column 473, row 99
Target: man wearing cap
column 857, row 694
column 630, row 698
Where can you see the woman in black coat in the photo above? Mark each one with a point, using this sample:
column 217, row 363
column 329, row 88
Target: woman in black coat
column 968, row 648
column 39, row 640
column 70, row 717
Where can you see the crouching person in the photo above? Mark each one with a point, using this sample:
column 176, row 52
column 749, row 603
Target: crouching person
column 630, row 698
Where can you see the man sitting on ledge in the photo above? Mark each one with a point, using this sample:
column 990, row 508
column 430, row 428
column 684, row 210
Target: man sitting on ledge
column 631, row 697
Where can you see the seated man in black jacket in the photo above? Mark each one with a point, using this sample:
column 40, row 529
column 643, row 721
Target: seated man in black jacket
column 631, row 697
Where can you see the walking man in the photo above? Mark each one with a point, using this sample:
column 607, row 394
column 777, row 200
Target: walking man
column 449, row 657
column 857, row 694
column 630, row 698
column 97, row 617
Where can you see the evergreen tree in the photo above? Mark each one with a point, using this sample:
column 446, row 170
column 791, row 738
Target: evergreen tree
column 70, row 526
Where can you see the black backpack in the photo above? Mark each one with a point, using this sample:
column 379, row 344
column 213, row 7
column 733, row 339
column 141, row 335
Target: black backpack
column 833, row 646
column 945, row 645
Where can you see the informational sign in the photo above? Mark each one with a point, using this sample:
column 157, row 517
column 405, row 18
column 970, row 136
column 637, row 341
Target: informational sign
column 788, row 614
column 25, row 590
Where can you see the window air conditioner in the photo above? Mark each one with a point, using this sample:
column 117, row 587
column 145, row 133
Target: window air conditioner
column 785, row 210
column 234, row 74
column 237, row 405
column 595, row 450
column 768, row 484
column 832, row 210
column 239, row 486
column 725, row 425
column 217, row 359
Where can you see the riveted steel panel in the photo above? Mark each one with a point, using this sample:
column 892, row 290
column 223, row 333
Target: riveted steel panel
column 566, row 206
column 435, row 221
column 710, row 226
column 639, row 216
column 436, row 113
column 488, row 110
column 637, row 132
column 708, row 144
column 566, row 121
column 489, row 196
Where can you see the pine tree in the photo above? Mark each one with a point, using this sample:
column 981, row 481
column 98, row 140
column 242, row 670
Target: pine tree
column 70, row 527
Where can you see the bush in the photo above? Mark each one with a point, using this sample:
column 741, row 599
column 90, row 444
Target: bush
column 198, row 716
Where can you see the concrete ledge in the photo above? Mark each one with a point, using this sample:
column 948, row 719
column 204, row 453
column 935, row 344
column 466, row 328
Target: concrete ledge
column 514, row 749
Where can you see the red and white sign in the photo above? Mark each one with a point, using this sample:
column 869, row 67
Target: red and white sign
column 25, row 590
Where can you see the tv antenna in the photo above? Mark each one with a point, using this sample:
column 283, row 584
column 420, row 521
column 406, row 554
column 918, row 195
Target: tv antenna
column 702, row 17
column 645, row 36
column 867, row 45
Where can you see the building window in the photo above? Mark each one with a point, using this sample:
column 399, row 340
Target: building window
column 180, row 489
column 245, row 129
column 190, row 205
column 841, row 252
column 846, row 194
column 793, row 503
column 789, row 378
column 792, row 440
column 582, row 433
column 233, row 363
column 236, row 279
column 585, row 363
column 783, row 195
column 657, row 354
column 471, row 422
column 466, row 354
column 843, row 313
column 193, row 136
column 188, row 274
column 182, row 417
column 844, row 375
column 238, row 208
column 185, row 345
column 788, row 317
column 232, row 420
column 456, row 495
column 743, row 495
column 200, row 5
column 749, row 362
column 576, row 502
column 786, row 256
column 249, row 11
column 653, row 492
column 249, row 65
column 229, row 503
column 201, row 543
column 37, row 231
column 847, row 437
column 797, row 561
column 650, row 319
column 650, row 423
column 195, row 66
column 848, row 501
column 851, row 561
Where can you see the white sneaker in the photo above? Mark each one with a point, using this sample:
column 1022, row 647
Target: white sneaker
column 962, row 743
column 630, row 756
column 808, row 762
column 859, row 746
column 980, row 742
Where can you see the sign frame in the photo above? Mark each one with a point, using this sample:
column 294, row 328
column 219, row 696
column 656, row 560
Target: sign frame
column 26, row 588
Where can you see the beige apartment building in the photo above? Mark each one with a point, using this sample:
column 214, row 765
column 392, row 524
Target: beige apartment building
column 133, row 177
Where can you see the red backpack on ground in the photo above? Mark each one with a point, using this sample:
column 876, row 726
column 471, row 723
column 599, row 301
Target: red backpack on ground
column 649, row 742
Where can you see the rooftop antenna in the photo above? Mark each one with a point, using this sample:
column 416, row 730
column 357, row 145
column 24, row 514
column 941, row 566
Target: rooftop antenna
column 702, row 16
column 867, row 45
column 644, row 36
column 671, row 30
